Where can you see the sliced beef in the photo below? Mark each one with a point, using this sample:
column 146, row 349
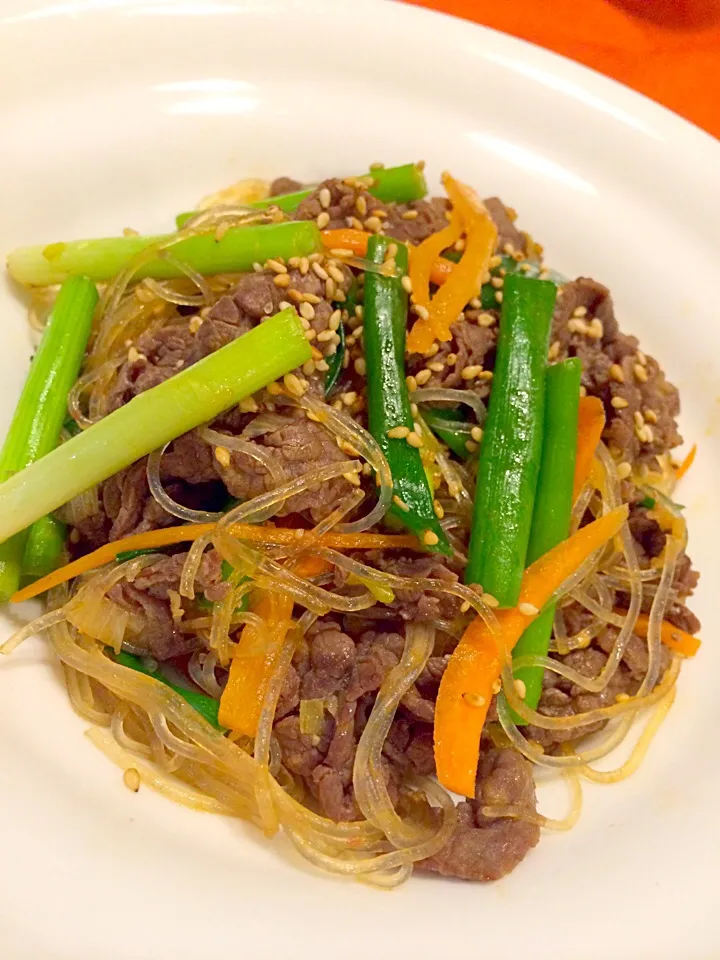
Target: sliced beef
column 615, row 369
column 130, row 506
column 487, row 848
column 471, row 345
column 510, row 239
column 281, row 185
column 330, row 659
column 416, row 221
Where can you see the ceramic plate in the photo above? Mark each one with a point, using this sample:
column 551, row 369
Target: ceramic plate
column 118, row 113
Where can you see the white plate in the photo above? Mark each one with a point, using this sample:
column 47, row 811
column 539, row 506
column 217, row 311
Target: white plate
column 118, row 113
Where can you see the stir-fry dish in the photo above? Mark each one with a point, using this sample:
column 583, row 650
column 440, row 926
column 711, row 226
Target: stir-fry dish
column 348, row 513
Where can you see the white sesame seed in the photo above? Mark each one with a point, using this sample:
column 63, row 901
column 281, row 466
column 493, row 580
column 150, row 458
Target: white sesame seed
column 421, row 311
column 619, row 403
column 360, row 366
column 407, row 284
column 222, row 455
column 131, row 779
column 414, row 439
column 276, row 266
column 474, row 699
column 373, row 224
column 398, row 433
column 640, row 372
column 323, row 219
column 528, row 609
column 616, row 373
column 490, row 600
column 464, row 606
column 470, row 446
column 307, row 310
column 470, row 372
column 429, row 538
column 422, row 376
column 411, row 384
column 477, row 434
column 324, row 198
column 294, row 385
column 438, row 509
column 624, row 470
column 400, row 504
column 320, row 271
column 521, row 688
column 580, row 312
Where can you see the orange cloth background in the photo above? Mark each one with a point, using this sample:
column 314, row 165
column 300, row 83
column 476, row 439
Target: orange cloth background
column 666, row 49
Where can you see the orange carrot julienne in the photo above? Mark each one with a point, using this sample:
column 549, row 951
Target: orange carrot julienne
column 255, row 533
column 677, row 640
column 591, row 423
column 241, row 700
column 357, row 240
column 474, row 668
column 465, row 281
column 686, row 464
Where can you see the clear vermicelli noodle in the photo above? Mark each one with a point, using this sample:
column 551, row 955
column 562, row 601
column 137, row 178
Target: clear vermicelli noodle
column 289, row 619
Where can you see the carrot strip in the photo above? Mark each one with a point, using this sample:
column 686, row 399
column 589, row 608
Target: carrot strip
column 276, row 536
column 241, row 700
column 474, row 669
column 591, row 423
column 466, row 279
column 677, row 640
column 686, row 464
column 357, row 241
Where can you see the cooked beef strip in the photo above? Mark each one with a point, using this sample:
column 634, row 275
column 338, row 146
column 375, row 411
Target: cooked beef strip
column 483, row 848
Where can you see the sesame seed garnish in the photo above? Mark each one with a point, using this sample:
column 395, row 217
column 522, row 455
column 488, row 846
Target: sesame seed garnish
column 486, row 320
column 472, row 371
column 438, row 509
column 325, row 335
column 639, row 419
column 624, row 470
column 583, row 391
column 499, row 296
column 131, row 779
column 407, row 284
column 322, row 366
column 360, row 366
column 490, row 600
column 421, row 311
column 497, row 282
column 595, row 329
column 307, row 310
column 281, row 280
column 324, row 198
column 642, row 359
column 477, row 434
column 521, row 688
column 330, row 289
column 336, row 273
column 276, row 266
column 308, row 368
column 580, row 312
column 361, row 205
column 398, row 433
column 459, row 245
column 640, row 372
column 222, row 455
column 451, row 359
column 616, row 373
column 619, row 403
column 414, row 409
column 134, row 355
column 464, row 606
column 335, row 318
column 310, row 335
column 294, row 385
column 430, row 539
column 528, row 610
column 411, row 384
column 474, row 699
column 650, row 416
column 353, row 223
column 414, row 439
column 248, row 405
column 400, row 504
column 320, row 271
column 437, row 366
column 323, row 219
column 554, row 350
column 622, row 697
column 257, row 267
column 434, row 348
column 496, row 687
column 470, row 446
column 409, row 215
column 374, row 224
column 422, row 376
column 195, row 324
column 359, row 311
